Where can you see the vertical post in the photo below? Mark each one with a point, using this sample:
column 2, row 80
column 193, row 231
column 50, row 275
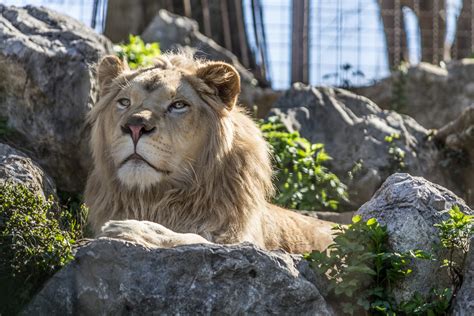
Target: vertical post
column 241, row 33
column 206, row 18
column 471, row 14
column 187, row 8
column 299, row 41
column 226, row 24
column 397, row 33
column 436, row 44
column 169, row 6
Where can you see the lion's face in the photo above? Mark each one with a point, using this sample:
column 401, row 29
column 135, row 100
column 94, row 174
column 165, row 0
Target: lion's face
column 156, row 122
column 155, row 127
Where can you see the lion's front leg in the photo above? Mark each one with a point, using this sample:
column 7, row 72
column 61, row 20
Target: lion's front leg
column 148, row 234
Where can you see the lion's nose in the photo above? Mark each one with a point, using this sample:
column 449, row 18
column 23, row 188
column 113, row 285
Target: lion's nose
column 136, row 131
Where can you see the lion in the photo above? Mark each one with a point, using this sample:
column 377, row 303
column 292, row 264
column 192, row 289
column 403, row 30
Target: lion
column 177, row 161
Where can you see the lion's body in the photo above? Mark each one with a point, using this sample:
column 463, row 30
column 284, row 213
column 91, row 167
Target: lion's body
column 208, row 170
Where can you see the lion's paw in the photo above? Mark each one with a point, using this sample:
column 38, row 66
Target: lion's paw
column 148, row 234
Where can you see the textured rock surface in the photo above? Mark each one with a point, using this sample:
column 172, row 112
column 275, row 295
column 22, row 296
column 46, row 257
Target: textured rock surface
column 353, row 130
column 409, row 207
column 464, row 303
column 457, row 139
column 113, row 277
column 432, row 95
column 47, row 85
column 16, row 167
column 178, row 32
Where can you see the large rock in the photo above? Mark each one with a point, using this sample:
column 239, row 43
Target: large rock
column 409, row 207
column 464, row 302
column 47, row 85
column 354, row 130
column 175, row 32
column 114, row 277
column 432, row 95
column 16, row 167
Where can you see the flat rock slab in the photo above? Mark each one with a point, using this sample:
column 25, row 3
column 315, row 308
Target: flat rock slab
column 114, row 277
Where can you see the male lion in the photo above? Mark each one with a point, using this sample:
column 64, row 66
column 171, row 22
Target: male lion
column 170, row 146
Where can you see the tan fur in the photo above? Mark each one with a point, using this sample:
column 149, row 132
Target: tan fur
column 216, row 177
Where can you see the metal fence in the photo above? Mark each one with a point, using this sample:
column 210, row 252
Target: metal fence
column 89, row 12
column 322, row 42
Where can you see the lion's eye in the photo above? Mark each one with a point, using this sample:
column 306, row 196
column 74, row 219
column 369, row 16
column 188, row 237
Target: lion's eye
column 123, row 103
column 178, row 107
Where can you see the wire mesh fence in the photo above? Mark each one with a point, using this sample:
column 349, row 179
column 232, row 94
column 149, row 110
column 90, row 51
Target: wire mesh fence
column 330, row 42
column 89, row 12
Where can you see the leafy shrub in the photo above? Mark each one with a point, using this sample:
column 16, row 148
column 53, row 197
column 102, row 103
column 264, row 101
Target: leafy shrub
column 455, row 234
column 136, row 52
column 395, row 153
column 36, row 239
column 302, row 179
column 361, row 270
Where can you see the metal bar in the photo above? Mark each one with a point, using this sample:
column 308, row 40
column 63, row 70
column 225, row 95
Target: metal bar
column 187, row 8
column 95, row 7
column 299, row 41
column 241, row 33
column 206, row 18
column 226, row 24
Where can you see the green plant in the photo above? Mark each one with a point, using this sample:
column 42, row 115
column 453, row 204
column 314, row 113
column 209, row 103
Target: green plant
column 36, row 238
column 5, row 130
column 302, row 179
column 437, row 303
column 455, row 234
column 396, row 154
column 399, row 86
column 360, row 268
column 136, row 52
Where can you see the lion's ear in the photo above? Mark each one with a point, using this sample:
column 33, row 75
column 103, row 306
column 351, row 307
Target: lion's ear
column 109, row 68
column 224, row 79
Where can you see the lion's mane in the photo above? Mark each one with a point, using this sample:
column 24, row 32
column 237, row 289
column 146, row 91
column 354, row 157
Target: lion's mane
column 228, row 189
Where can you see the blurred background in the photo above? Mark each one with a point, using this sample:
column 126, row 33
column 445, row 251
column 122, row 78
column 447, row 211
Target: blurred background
column 345, row 43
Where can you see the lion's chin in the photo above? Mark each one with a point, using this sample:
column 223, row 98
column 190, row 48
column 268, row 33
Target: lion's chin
column 136, row 173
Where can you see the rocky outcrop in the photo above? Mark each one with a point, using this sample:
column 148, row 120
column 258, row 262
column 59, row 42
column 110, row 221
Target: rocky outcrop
column 464, row 302
column 432, row 95
column 116, row 277
column 409, row 207
column 16, row 167
column 47, row 85
column 175, row 32
column 457, row 148
column 368, row 144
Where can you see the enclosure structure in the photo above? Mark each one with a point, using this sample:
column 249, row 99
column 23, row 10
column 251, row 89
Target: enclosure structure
column 323, row 42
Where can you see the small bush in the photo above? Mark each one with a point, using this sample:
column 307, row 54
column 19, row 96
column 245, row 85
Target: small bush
column 302, row 179
column 136, row 52
column 362, row 270
column 36, row 239
column 455, row 235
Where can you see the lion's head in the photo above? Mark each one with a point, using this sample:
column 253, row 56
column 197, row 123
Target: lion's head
column 170, row 145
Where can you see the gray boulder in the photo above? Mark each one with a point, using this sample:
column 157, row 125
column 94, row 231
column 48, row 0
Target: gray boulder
column 409, row 207
column 464, row 302
column 114, row 277
column 47, row 85
column 16, row 167
column 354, row 130
column 432, row 95
column 175, row 32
